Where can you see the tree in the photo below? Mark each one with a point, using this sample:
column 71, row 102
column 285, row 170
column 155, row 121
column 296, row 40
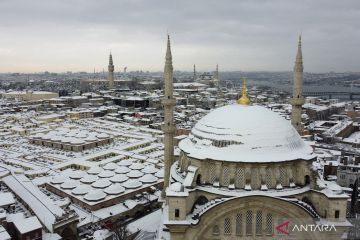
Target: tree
column 120, row 231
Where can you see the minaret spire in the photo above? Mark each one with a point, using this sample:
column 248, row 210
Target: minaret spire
column 111, row 71
column 244, row 100
column 297, row 100
column 194, row 73
column 168, row 127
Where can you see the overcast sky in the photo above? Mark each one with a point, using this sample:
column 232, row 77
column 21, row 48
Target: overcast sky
column 76, row 35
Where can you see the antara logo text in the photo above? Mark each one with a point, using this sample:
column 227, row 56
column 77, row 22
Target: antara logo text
column 285, row 228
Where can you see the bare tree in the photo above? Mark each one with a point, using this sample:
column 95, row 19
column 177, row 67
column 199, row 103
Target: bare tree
column 120, row 231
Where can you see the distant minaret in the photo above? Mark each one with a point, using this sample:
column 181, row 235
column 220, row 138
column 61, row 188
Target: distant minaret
column 111, row 72
column 168, row 127
column 297, row 101
column 217, row 72
column 194, row 73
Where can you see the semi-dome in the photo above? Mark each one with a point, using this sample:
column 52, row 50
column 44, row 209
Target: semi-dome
column 245, row 133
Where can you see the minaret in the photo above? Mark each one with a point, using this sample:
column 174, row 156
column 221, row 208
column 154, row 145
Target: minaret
column 194, row 73
column 111, row 72
column 297, row 101
column 168, row 127
column 217, row 72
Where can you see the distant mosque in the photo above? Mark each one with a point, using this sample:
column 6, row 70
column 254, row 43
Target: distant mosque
column 245, row 173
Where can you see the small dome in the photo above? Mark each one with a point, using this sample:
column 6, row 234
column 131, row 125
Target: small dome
column 160, row 173
column 126, row 162
column 58, row 179
column 81, row 189
column 95, row 195
column 150, row 169
column 132, row 183
column 102, row 135
column 114, row 189
column 119, row 178
column 122, row 169
column 134, row 174
column 136, row 166
column 76, row 174
column 110, row 166
column 69, row 184
column 95, row 170
column 148, row 178
column 89, row 178
column 106, row 174
column 101, row 183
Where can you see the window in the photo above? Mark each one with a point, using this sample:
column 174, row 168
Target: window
column 268, row 179
column 227, row 226
column 212, row 173
column 282, row 176
column 239, row 180
column 177, row 213
column 238, row 224
column 269, row 224
column 337, row 213
column 258, row 222
column 249, row 222
column 226, row 176
column 216, row 230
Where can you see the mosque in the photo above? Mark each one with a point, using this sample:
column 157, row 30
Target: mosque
column 245, row 173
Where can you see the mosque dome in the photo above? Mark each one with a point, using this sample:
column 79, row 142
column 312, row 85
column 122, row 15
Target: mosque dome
column 245, row 133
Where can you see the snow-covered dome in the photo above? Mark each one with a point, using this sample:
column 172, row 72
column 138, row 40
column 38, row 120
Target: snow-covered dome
column 101, row 183
column 134, row 174
column 245, row 133
column 114, row 189
column 148, row 178
column 81, row 189
column 69, row 184
column 95, row 195
column 95, row 170
column 122, row 169
column 119, row 178
column 58, row 179
column 106, row 174
column 132, row 183
column 110, row 166
column 89, row 178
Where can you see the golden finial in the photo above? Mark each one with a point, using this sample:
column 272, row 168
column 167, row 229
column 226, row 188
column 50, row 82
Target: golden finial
column 244, row 100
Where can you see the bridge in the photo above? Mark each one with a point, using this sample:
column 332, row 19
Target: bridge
column 330, row 94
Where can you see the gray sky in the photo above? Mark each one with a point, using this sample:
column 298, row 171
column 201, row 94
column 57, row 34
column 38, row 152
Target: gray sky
column 76, row 35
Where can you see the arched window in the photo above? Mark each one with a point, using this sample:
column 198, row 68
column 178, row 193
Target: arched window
column 227, row 226
column 269, row 224
column 216, row 230
column 198, row 179
column 282, row 176
column 249, row 216
column 258, row 222
column 307, row 179
column 226, row 176
column 268, row 178
column 212, row 176
column 240, row 178
column 238, row 229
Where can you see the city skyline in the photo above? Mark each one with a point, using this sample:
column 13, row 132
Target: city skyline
column 238, row 35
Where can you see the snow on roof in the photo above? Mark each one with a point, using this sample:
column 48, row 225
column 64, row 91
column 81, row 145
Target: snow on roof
column 114, row 189
column 81, row 189
column 119, row 178
column 134, row 174
column 149, row 222
column 4, row 235
column 6, row 199
column 89, row 178
column 27, row 224
column 122, row 169
column 132, row 183
column 148, row 178
column 241, row 133
column 41, row 205
column 95, row 195
column 101, row 183
column 106, row 174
